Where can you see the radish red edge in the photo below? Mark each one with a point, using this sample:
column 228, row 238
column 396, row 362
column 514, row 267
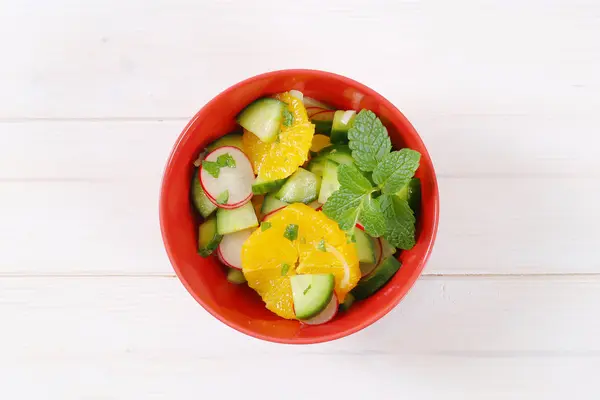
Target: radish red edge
column 210, row 197
column 310, row 111
column 328, row 313
column 322, row 112
column 222, row 259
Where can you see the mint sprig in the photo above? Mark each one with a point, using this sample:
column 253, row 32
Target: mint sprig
column 353, row 202
column 368, row 140
column 373, row 202
column 400, row 221
column 396, row 169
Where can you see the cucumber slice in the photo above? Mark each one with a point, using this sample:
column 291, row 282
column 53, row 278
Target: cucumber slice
column 328, row 313
column 263, row 118
column 263, row 187
column 311, row 293
column 208, row 237
column 342, row 121
column 323, row 121
column 202, row 203
column 411, row 192
column 330, row 183
column 340, row 153
column 235, row 276
column 271, row 204
column 367, row 268
column 236, row 219
column 365, row 248
column 386, row 249
column 302, row 187
column 231, row 139
column 316, row 165
column 348, row 301
column 376, row 279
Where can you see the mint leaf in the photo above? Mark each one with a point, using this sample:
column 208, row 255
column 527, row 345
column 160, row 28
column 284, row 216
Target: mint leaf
column 353, row 180
column 288, row 117
column 395, row 170
column 225, row 160
column 400, row 221
column 223, row 197
column 368, row 140
column 284, row 269
column 372, row 218
column 264, row 226
column 343, row 207
column 214, row 167
column 211, row 167
column 291, row 232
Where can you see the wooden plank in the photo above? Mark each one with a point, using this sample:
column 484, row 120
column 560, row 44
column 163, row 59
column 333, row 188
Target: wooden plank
column 487, row 226
column 177, row 55
column 130, row 376
column 143, row 337
column 535, row 316
column 495, row 146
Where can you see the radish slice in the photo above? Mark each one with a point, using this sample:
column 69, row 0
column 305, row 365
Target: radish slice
column 326, row 315
column 310, row 102
column 297, row 94
column 230, row 248
column 323, row 115
column 237, row 181
column 367, row 268
column 310, row 111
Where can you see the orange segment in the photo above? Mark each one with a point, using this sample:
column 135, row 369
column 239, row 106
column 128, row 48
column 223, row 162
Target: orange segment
column 319, row 142
column 281, row 158
column 266, row 251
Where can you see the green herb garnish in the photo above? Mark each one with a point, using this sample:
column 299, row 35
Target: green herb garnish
column 307, row 289
column 226, row 160
column 291, row 232
column 373, row 202
column 211, row 167
column 284, row 269
column 223, row 197
column 368, row 140
column 288, row 117
column 265, row 225
column 321, row 245
column 214, row 167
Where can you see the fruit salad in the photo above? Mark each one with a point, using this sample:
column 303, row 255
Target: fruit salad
column 307, row 205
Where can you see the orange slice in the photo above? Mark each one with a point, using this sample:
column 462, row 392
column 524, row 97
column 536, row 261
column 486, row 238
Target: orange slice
column 269, row 258
column 281, row 158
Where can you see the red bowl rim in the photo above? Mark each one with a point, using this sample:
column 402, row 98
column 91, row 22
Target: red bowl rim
column 369, row 319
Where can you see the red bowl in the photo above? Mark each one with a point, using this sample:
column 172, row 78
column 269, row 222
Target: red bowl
column 239, row 306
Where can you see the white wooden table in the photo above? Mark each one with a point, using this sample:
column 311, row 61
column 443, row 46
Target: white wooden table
column 506, row 95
